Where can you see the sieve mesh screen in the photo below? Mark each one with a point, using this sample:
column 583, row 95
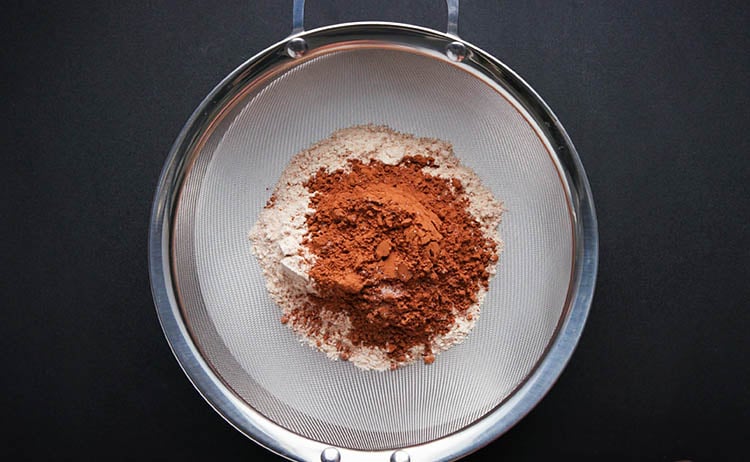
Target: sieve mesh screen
column 221, row 287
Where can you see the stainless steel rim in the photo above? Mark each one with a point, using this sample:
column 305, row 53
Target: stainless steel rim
column 580, row 293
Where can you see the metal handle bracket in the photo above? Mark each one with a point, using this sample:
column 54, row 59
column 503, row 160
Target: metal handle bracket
column 298, row 17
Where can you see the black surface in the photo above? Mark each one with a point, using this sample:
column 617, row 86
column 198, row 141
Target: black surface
column 655, row 96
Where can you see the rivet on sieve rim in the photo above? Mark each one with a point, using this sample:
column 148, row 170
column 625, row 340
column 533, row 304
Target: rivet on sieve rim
column 400, row 456
column 330, row 455
column 296, row 47
column 456, row 51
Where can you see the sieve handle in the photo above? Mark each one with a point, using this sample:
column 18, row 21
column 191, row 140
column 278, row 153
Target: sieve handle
column 298, row 17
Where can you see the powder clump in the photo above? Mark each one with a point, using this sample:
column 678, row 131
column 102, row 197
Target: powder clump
column 379, row 246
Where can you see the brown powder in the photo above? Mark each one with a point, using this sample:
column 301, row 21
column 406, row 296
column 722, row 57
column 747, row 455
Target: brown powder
column 396, row 252
column 389, row 276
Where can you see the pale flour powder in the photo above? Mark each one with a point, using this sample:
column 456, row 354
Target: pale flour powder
column 278, row 234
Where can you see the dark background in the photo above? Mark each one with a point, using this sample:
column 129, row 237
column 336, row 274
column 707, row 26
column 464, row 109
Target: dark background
column 655, row 96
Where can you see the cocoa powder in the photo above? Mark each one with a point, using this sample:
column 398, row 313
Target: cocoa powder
column 396, row 252
column 411, row 226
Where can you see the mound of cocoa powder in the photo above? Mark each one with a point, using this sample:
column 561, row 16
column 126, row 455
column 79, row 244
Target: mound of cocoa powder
column 396, row 251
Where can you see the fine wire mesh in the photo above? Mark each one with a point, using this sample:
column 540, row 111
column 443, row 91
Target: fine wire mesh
column 221, row 286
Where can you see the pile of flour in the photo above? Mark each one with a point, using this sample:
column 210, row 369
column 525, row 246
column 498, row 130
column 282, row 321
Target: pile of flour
column 278, row 234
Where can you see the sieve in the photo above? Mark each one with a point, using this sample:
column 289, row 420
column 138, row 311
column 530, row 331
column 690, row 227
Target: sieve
column 210, row 293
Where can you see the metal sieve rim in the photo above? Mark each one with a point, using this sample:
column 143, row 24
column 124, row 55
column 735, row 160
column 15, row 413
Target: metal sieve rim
column 580, row 292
